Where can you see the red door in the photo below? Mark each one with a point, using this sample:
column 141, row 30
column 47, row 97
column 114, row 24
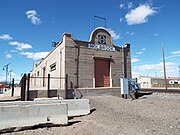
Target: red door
column 102, row 68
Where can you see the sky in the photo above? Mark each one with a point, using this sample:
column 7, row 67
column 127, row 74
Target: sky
column 28, row 27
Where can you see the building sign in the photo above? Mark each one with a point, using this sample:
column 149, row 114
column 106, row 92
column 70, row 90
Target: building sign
column 101, row 47
column 101, row 39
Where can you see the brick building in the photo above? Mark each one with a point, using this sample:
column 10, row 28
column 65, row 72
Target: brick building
column 89, row 64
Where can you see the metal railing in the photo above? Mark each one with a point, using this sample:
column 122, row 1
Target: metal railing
column 48, row 83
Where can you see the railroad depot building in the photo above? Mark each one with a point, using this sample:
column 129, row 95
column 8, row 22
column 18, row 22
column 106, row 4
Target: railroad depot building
column 89, row 64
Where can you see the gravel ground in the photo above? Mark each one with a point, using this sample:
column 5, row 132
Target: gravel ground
column 156, row 114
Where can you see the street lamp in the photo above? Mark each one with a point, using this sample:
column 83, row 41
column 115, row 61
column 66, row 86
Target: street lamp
column 6, row 68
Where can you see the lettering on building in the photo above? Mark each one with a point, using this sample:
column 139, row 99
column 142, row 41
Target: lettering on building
column 102, row 47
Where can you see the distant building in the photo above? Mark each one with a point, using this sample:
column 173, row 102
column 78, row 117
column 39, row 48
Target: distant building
column 89, row 64
column 174, row 82
column 4, row 88
column 149, row 82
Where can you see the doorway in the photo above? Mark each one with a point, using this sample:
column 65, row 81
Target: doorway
column 102, row 71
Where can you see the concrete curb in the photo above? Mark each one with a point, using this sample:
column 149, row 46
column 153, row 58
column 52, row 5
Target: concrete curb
column 76, row 107
column 29, row 113
column 21, row 115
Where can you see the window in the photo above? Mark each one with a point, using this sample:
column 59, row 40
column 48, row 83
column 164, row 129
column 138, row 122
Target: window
column 53, row 67
column 38, row 73
column 101, row 39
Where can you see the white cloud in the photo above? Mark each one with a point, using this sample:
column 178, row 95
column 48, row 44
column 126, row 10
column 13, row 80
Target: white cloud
column 156, row 34
column 113, row 34
column 121, row 19
column 20, row 46
column 158, row 66
column 8, row 56
column 143, row 49
column 139, row 53
column 16, row 77
column 13, row 51
column 175, row 52
column 139, row 15
column 2, row 78
column 135, row 74
column 133, row 60
column 130, row 33
column 127, row 5
column 35, row 56
column 33, row 16
column 130, row 5
column 121, row 6
column 170, row 72
column 6, row 37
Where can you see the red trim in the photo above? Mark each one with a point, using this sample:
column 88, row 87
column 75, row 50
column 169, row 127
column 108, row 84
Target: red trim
column 4, row 86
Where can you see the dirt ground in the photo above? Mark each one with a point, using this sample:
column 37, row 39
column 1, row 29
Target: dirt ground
column 155, row 114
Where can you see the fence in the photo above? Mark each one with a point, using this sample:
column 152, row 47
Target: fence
column 32, row 87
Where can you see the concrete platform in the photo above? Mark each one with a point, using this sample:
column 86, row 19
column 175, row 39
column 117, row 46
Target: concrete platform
column 40, row 93
column 76, row 107
column 44, row 99
column 22, row 115
column 5, row 99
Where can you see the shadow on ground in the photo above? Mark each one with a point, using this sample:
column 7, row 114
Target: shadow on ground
column 141, row 94
column 47, row 125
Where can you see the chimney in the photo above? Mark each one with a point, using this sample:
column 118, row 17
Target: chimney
column 34, row 65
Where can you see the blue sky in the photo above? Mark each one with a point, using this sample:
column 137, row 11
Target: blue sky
column 27, row 29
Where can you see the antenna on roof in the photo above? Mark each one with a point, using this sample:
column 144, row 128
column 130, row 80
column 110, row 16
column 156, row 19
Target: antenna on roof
column 99, row 17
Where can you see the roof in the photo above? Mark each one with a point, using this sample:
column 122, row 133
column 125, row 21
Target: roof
column 4, row 86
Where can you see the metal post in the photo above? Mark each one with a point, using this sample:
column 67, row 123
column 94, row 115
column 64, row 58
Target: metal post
column 48, row 87
column 23, row 87
column 28, row 83
column 12, row 94
column 66, row 87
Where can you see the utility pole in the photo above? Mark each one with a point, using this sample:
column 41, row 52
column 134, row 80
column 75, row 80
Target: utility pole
column 179, row 70
column 10, row 74
column 165, row 82
column 6, row 68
